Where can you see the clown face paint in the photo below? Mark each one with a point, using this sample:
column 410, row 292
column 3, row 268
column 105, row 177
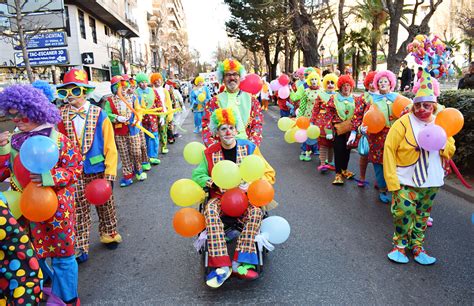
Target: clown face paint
column 346, row 90
column 314, row 82
column 423, row 110
column 330, row 85
column 21, row 121
column 226, row 134
column 142, row 85
column 384, row 85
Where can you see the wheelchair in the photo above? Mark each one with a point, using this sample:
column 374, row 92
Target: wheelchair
column 232, row 229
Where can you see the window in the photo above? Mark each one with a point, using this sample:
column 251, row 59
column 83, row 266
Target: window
column 93, row 29
column 106, row 30
column 68, row 26
column 82, row 24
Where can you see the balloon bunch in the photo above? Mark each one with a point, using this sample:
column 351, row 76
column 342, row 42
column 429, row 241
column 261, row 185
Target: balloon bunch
column 38, row 155
column 280, row 85
column 448, row 123
column 299, row 130
column 432, row 52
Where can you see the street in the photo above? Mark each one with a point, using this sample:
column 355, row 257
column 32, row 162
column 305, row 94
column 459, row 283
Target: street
column 336, row 253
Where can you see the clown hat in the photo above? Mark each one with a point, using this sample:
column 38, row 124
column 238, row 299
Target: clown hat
column 76, row 77
column 426, row 91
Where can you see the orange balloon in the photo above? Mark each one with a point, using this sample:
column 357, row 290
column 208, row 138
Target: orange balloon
column 374, row 120
column 303, row 123
column 38, row 203
column 399, row 105
column 260, row 193
column 188, row 222
column 451, row 120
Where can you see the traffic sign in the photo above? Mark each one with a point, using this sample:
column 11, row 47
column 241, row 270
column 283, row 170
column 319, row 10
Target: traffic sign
column 46, row 40
column 43, row 57
column 87, row 58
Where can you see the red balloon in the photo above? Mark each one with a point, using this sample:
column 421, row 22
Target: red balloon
column 283, row 80
column 22, row 175
column 98, row 192
column 251, row 84
column 234, row 202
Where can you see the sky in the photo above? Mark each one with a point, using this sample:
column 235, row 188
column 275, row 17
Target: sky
column 205, row 20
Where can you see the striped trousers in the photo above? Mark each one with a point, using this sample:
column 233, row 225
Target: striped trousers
column 130, row 152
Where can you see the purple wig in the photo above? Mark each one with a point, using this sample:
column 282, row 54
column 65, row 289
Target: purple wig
column 389, row 75
column 30, row 102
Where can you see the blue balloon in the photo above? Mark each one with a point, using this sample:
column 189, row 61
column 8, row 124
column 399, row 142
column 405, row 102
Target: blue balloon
column 436, row 72
column 39, row 154
column 451, row 71
column 277, row 229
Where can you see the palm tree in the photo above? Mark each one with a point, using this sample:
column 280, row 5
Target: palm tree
column 358, row 50
column 372, row 12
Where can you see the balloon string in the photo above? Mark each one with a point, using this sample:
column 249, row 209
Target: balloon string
column 458, row 174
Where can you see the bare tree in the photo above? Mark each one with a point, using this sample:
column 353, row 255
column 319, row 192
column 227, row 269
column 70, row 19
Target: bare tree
column 22, row 36
column 465, row 22
column 340, row 29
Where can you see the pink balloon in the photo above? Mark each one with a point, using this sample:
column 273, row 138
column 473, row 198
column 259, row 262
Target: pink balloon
column 432, row 138
column 301, row 136
column 283, row 80
column 274, row 85
column 284, row 92
column 252, row 84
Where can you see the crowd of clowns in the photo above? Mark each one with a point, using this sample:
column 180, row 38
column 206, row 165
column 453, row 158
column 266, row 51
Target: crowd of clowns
column 409, row 143
column 59, row 162
column 41, row 247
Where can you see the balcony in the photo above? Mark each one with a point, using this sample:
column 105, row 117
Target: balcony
column 108, row 15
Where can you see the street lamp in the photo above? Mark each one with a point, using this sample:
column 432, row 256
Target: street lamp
column 122, row 34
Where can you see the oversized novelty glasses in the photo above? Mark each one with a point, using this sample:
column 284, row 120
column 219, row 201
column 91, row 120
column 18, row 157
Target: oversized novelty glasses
column 426, row 105
column 75, row 92
column 17, row 115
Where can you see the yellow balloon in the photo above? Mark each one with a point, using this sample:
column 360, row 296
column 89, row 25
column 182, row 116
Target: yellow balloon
column 252, row 168
column 285, row 123
column 13, row 202
column 226, row 174
column 290, row 135
column 313, row 132
column 193, row 152
column 186, row 192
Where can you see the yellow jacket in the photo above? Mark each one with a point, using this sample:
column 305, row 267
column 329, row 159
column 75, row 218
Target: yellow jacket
column 400, row 150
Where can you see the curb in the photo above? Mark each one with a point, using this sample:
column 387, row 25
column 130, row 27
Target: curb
column 460, row 191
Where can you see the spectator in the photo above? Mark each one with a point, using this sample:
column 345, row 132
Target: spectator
column 405, row 79
column 467, row 82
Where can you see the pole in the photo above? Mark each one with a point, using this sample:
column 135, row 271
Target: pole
column 123, row 55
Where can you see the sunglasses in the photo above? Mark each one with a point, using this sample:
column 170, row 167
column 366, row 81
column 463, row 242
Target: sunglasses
column 14, row 116
column 426, row 105
column 75, row 92
column 234, row 75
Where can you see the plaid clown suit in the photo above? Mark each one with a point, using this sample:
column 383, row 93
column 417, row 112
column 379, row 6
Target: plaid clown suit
column 90, row 130
column 245, row 251
column 127, row 136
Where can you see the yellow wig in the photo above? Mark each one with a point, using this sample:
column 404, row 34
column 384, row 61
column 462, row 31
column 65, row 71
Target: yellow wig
column 330, row 77
column 313, row 75
column 198, row 80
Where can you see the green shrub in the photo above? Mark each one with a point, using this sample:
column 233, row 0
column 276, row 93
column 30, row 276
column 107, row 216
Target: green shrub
column 463, row 100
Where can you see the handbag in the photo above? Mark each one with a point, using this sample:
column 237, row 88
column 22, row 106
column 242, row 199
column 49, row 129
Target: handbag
column 363, row 146
column 343, row 127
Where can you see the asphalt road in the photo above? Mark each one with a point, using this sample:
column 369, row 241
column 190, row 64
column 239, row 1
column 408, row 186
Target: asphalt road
column 336, row 253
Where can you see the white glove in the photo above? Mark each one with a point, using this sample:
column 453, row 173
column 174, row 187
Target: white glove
column 162, row 120
column 121, row 119
column 329, row 136
column 352, row 138
column 363, row 130
column 244, row 186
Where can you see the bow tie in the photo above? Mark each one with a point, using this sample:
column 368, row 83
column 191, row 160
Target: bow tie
column 74, row 113
column 18, row 139
column 341, row 98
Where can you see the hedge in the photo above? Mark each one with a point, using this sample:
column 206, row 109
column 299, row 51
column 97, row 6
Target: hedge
column 463, row 100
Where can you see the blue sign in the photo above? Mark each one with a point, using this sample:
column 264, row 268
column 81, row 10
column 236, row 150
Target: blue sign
column 43, row 57
column 45, row 40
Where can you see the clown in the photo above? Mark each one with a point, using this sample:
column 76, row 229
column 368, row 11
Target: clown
column 224, row 125
column 146, row 97
column 121, row 111
column 199, row 97
column 308, row 100
column 91, row 131
column 266, row 93
column 414, row 175
column 319, row 117
column 247, row 109
column 54, row 238
column 163, row 103
column 340, row 110
column 361, row 104
column 385, row 82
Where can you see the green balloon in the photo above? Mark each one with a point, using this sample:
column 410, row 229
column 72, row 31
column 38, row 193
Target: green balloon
column 226, row 174
column 186, row 192
column 13, row 199
column 313, row 132
column 252, row 168
column 290, row 135
column 193, row 152
column 285, row 123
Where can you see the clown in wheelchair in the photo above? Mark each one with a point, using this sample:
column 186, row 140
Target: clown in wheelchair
column 225, row 125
